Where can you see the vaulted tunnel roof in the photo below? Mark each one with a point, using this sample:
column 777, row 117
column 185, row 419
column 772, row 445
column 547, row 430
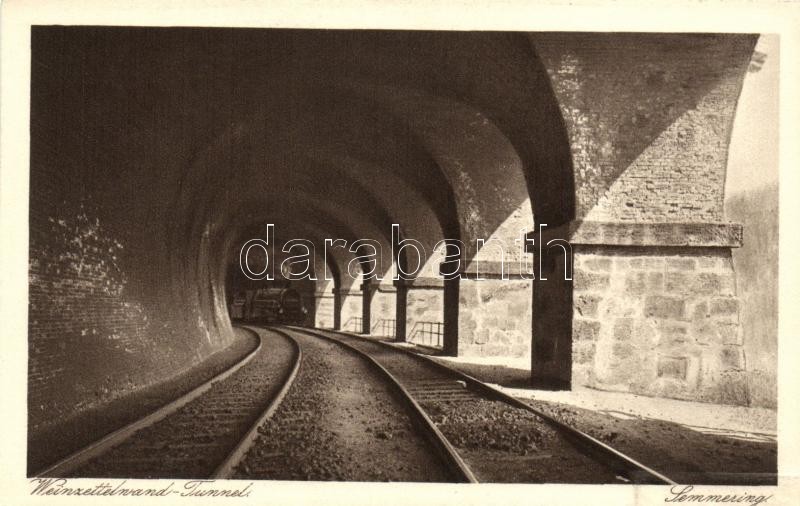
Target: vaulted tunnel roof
column 447, row 134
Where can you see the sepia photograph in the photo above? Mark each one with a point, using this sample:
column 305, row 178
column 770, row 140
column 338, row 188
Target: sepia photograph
column 400, row 256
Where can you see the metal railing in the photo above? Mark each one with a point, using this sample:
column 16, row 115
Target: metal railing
column 384, row 327
column 427, row 334
column 353, row 324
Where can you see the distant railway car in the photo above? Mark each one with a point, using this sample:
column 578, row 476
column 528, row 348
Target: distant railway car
column 292, row 310
column 277, row 305
column 238, row 307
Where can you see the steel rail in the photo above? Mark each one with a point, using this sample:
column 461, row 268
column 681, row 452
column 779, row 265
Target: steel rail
column 457, row 466
column 226, row 468
column 80, row 457
column 621, row 463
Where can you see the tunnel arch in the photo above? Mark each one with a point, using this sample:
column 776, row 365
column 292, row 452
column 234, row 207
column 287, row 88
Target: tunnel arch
column 413, row 123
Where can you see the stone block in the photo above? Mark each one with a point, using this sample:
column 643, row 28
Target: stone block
column 672, row 367
column 590, row 281
column 724, row 306
column 680, row 264
column 582, row 375
column 672, row 333
column 659, row 306
column 636, row 283
column 617, row 307
column 597, row 264
column 481, row 335
column 732, row 358
column 678, row 282
column 713, row 262
column 709, row 283
column 623, row 329
column 655, row 281
column 636, row 263
column 704, row 332
column 583, row 352
column 583, row 330
column 729, row 333
column 466, row 324
column 724, row 387
column 622, row 350
column 654, row 262
column 586, row 305
column 700, row 311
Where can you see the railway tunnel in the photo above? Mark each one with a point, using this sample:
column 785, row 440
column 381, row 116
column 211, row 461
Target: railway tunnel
column 156, row 153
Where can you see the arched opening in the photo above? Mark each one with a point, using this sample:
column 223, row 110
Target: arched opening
column 475, row 161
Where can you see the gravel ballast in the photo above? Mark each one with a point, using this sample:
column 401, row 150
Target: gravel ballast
column 683, row 454
column 697, row 450
column 500, row 443
column 194, row 440
column 340, row 421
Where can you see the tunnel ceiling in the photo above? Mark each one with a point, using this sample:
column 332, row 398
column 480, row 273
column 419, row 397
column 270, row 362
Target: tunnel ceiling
column 443, row 133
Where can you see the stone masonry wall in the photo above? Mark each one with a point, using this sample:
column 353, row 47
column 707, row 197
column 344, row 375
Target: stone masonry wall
column 494, row 317
column 123, row 290
column 756, row 264
column 660, row 322
column 383, row 304
column 325, row 306
column 92, row 327
column 351, row 309
column 649, row 119
column 423, row 305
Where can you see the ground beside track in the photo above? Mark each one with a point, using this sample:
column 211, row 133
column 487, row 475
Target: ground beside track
column 49, row 444
column 691, row 442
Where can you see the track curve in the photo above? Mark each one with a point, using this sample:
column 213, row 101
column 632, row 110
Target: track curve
column 345, row 421
column 449, row 395
column 200, row 434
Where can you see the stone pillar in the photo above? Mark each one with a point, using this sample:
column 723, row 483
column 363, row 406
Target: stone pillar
column 654, row 310
column 337, row 309
column 451, row 311
column 653, row 307
column 401, row 305
column 368, row 289
column 551, row 345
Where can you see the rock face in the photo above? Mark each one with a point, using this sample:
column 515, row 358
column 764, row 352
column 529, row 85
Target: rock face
column 756, row 265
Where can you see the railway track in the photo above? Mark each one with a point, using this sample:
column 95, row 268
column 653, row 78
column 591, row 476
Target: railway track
column 359, row 410
column 493, row 436
column 346, row 420
column 202, row 434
